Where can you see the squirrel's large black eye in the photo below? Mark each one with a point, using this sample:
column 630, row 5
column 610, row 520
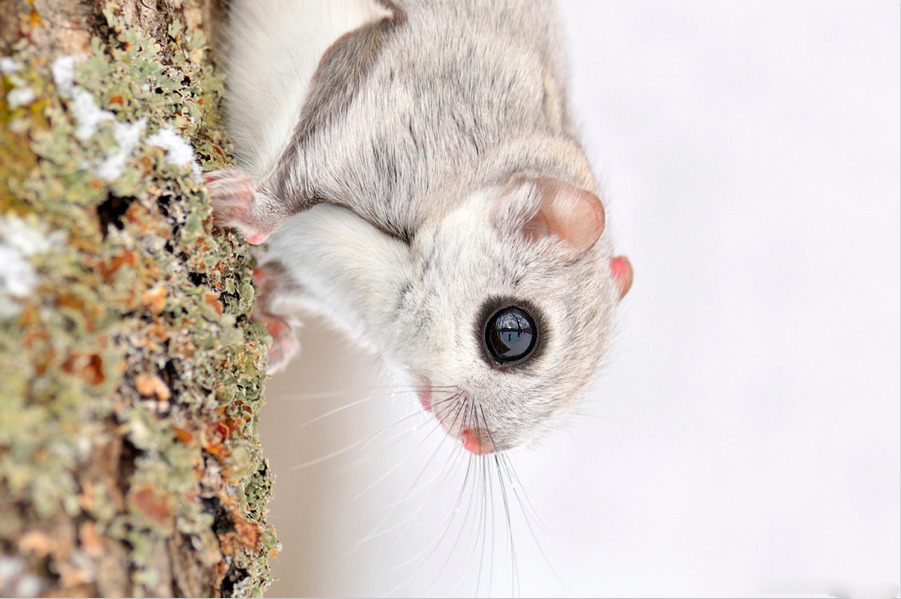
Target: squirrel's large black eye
column 510, row 335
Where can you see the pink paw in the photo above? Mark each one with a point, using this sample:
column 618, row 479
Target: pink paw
column 282, row 329
column 284, row 344
column 284, row 340
column 235, row 204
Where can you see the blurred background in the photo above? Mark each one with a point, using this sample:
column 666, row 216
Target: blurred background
column 744, row 437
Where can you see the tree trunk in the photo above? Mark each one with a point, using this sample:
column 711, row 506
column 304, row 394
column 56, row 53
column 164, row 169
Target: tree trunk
column 131, row 375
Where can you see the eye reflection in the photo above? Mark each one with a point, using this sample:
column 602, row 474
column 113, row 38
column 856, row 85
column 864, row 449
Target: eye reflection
column 510, row 335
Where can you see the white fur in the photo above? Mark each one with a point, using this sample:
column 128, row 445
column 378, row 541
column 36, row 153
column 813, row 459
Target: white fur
column 276, row 48
column 349, row 270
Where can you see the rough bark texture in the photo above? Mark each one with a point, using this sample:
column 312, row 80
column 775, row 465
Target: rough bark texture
column 130, row 372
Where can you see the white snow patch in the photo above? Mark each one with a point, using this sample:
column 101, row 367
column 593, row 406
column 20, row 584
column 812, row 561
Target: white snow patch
column 8, row 65
column 178, row 151
column 14, row 577
column 88, row 116
column 20, row 96
column 19, row 240
column 63, row 71
column 127, row 137
column 29, row 586
column 10, row 566
column 17, row 279
column 28, row 238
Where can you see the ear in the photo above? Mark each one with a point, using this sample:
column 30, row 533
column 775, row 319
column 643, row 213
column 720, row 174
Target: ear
column 621, row 270
column 575, row 216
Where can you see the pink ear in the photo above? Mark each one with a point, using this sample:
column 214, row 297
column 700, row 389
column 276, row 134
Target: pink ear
column 621, row 269
column 574, row 215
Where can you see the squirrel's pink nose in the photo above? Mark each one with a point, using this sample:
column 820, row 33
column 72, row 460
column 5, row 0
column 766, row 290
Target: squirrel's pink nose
column 476, row 441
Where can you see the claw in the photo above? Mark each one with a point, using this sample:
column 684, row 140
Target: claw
column 256, row 238
column 282, row 329
column 284, row 338
column 233, row 198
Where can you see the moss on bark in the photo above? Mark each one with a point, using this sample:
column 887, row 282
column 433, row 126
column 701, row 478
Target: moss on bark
column 131, row 376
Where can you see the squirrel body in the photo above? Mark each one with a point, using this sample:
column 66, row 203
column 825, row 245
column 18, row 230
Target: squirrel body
column 416, row 171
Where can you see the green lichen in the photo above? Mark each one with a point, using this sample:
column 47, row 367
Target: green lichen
column 131, row 374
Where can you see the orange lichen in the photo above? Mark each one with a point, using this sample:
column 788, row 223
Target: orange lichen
column 183, row 435
column 212, row 299
column 154, row 299
column 152, row 504
column 150, row 385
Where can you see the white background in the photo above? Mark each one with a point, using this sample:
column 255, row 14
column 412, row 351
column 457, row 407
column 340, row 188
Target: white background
column 744, row 436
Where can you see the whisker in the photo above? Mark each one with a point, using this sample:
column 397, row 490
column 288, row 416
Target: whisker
column 327, row 394
column 435, row 543
column 361, row 443
column 413, row 491
column 389, row 390
column 515, row 572
column 430, row 549
column 478, row 479
column 522, row 496
column 378, row 530
column 340, row 409
column 477, row 529
column 435, row 490
column 404, row 459
column 487, row 510
column 467, row 479
column 383, row 477
column 472, row 529
column 503, row 488
column 516, row 493
column 579, row 414
column 487, row 526
column 326, row 457
column 439, row 405
column 373, row 438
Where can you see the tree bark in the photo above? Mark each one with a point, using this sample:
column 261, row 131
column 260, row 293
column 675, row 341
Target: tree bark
column 131, row 375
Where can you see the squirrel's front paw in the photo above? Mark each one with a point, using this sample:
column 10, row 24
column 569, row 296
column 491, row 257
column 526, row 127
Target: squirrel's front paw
column 284, row 340
column 282, row 328
column 236, row 204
